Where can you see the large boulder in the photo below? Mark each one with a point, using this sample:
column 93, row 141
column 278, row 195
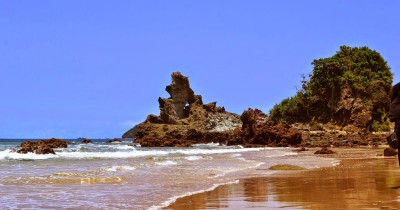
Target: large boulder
column 388, row 152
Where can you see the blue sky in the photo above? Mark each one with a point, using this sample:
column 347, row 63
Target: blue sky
column 94, row 68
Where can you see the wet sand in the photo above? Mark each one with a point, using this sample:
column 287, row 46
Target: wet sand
column 362, row 180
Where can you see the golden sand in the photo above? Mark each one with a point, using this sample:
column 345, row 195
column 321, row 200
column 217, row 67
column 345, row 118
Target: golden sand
column 363, row 180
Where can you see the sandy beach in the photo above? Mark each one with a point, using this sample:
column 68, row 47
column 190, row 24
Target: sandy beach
column 364, row 179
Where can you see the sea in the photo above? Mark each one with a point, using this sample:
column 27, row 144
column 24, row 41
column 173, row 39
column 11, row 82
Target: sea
column 123, row 175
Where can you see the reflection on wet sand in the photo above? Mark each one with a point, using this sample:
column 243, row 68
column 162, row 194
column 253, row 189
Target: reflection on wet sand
column 354, row 184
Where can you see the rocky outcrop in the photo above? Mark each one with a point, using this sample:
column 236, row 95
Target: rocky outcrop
column 42, row 146
column 257, row 129
column 181, row 112
column 184, row 120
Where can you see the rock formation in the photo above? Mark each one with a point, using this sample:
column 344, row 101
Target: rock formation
column 42, row 146
column 183, row 111
column 258, row 129
column 181, row 94
column 185, row 120
column 352, row 110
column 114, row 140
column 86, row 141
column 389, row 152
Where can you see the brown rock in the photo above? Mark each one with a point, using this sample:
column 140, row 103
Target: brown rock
column 184, row 120
column 42, row 146
column 324, row 150
column 44, row 150
column 181, row 115
column 154, row 119
column 300, row 150
column 257, row 129
column 167, row 111
column 181, row 93
column 388, row 152
column 113, row 140
column 86, row 141
column 352, row 110
column 212, row 107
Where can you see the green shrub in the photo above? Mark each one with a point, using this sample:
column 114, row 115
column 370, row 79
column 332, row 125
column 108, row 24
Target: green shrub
column 380, row 126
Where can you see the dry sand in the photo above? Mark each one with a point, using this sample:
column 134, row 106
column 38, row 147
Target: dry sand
column 362, row 180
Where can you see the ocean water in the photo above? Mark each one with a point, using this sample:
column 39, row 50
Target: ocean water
column 101, row 175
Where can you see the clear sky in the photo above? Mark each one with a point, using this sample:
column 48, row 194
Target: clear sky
column 73, row 68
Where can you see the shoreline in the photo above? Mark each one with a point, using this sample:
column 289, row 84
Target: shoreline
column 362, row 179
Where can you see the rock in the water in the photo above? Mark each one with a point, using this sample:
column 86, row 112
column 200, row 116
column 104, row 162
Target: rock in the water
column 42, row 146
column 86, row 141
column 324, row 150
column 388, row 152
column 44, row 150
column 114, row 140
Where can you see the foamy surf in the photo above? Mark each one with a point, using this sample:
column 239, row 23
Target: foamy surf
column 166, row 163
column 193, row 157
column 120, row 168
column 77, row 153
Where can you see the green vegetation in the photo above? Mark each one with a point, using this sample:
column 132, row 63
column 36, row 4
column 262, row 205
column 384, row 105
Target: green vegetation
column 359, row 73
column 286, row 167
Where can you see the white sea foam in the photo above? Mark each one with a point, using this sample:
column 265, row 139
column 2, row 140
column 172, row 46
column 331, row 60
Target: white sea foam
column 166, row 163
column 212, row 144
column 71, row 153
column 173, row 199
column 99, row 147
column 8, row 154
column 335, row 162
column 4, row 154
column 120, row 168
column 194, row 157
column 231, row 170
